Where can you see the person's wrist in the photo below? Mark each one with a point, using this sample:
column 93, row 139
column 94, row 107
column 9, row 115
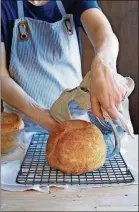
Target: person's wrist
column 51, row 122
column 102, row 63
column 109, row 44
column 40, row 116
column 107, row 51
column 44, row 119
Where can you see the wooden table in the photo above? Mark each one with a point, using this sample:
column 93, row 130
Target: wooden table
column 123, row 198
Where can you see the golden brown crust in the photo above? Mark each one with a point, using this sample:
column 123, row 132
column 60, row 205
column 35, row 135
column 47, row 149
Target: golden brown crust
column 10, row 141
column 11, row 122
column 76, row 147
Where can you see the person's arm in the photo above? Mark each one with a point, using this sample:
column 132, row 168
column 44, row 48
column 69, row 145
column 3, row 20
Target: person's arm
column 16, row 97
column 105, row 90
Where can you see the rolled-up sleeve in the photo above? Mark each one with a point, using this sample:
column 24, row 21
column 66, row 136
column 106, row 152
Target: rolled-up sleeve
column 81, row 6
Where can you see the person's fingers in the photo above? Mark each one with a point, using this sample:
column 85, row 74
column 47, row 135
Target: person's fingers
column 96, row 108
column 116, row 98
column 112, row 112
column 108, row 104
column 119, row 95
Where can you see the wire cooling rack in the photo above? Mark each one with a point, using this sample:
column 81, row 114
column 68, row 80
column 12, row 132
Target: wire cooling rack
column 35, row 170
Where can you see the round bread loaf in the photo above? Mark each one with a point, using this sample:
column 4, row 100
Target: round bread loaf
column 10, row 122
column 11, row 126
column 76, row 147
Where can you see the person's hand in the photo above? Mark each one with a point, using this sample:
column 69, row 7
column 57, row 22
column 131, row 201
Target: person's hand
column 108, row 89
column 51, row 124
column 45, row 120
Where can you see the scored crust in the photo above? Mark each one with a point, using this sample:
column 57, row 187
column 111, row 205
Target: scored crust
column 76, row 147
column 10, row 122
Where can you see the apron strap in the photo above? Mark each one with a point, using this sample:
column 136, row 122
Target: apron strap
column 20, row 9
column 61, row 7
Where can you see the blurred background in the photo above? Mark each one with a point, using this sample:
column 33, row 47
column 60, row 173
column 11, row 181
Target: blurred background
column 123, row 16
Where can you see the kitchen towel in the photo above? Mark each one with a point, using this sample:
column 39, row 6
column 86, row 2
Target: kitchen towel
column 81, row 95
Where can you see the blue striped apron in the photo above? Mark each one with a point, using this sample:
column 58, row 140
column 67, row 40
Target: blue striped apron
column 47, row 63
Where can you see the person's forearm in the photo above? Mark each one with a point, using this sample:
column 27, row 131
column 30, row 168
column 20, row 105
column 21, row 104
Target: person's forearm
column 106, row 46
column 16, row 97
column 101, row 35
column 106, row 90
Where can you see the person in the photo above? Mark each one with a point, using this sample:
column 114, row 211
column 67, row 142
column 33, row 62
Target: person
column 41, row 57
